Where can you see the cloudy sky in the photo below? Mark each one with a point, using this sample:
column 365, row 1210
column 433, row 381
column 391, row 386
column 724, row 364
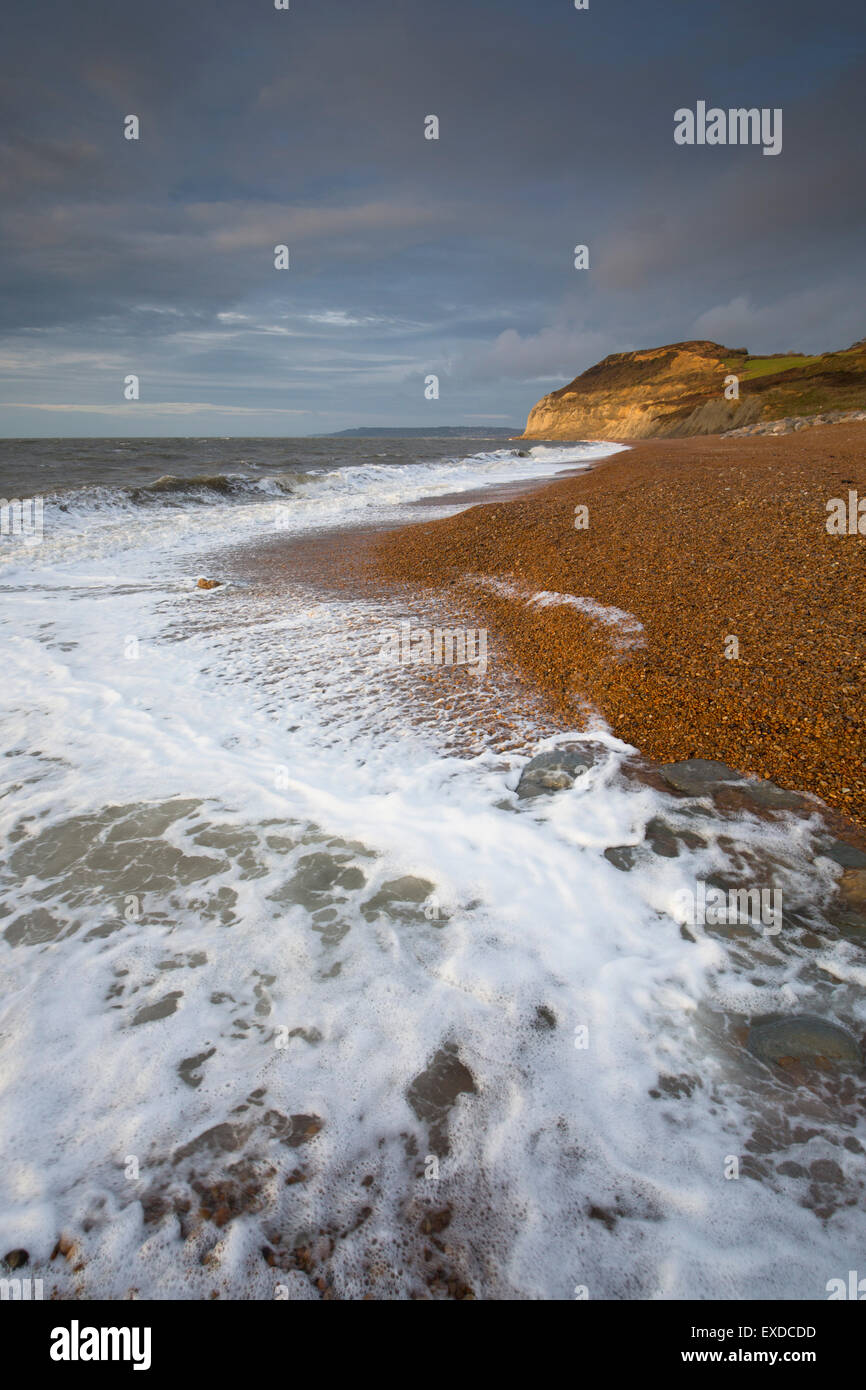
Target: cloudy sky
column 408, row 256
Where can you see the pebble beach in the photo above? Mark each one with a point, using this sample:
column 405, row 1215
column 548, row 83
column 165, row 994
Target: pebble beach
column 701, row 541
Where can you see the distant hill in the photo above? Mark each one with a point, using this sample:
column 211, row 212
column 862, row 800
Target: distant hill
column 680, row 390
column 429, row 432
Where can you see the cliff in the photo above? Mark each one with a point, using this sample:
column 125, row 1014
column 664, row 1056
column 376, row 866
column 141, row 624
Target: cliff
column 680, row 390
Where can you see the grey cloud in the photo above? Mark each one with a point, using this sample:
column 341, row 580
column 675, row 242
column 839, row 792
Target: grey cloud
column 305, row 127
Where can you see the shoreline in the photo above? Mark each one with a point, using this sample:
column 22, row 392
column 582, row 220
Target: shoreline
column 699, row 540
column 306, row 851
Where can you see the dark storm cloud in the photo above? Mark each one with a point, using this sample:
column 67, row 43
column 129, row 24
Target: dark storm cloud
column 408, row 256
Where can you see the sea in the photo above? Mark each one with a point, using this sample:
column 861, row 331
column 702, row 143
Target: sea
column 300, row 998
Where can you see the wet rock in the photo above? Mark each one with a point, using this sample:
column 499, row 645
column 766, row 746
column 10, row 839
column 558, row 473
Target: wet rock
column 189, row 960
column 293, row 1130
column 434, row 1092
column 852, row 889
column 853, row 927
column 689, row 838
column 677, row 1087
column 163, row 1008
column 208, row 584
column 401, row 899
column 661, row 838
column 150, row 822
column 639, row 772
column 804, row 1038
column 16, row 1258
column 189, row 1067
column 699, row 776
column 771, row 797
column 32, row 928
column 555, row 770
column 788, row 1169
column 222, row 1138
column 849, row 856
column 435, row 1222
column 622, row 857
column 315, row 875
column 332, row 933
column 825, row 1170
column 847, row 912
column 238, row 1194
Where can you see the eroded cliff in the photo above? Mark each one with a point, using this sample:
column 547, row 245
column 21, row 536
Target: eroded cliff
column 680, row 389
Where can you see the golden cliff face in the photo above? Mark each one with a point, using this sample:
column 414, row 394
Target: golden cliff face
column 680, row 390
column 633, row 395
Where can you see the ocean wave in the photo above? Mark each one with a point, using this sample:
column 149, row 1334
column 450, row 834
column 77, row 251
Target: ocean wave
column 170, row 488
column 225, row 485
column 101, row 518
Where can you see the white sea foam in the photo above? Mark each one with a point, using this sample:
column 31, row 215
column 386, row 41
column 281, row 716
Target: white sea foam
column 627, row 629
column 98, row 521
column 257, row 784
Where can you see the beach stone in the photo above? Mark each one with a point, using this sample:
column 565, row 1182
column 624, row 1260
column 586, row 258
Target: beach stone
column 699, row 776
column 849, row 856
column 762, row 799
column 852, row 889
column 638, row 772
column 435, row 1090
column 622, row 857
column 661, row 838
column 188, row 1069
column 554, row 771
column 209, row 584
column 775, row 798
column 163, row 1008
column 401, row 899
column 851, row 925
column 315, row 876
column 825, row 1170
column 16, row 1258
column 788, row 1169
column 293, row 1130
column 690, row 838
column 805, row 1037
column 32, row 928
column 221, row 1138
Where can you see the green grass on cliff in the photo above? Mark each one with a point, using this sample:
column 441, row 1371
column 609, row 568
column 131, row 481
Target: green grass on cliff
column 769, row 366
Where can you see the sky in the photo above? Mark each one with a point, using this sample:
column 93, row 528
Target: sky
column 408, row 257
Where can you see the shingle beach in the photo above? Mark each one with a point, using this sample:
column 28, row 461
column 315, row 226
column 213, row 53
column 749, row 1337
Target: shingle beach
column 701, row 541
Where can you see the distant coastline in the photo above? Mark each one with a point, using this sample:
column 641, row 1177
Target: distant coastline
column 427, row 432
